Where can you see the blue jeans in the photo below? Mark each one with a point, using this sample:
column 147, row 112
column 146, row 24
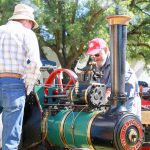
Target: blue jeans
column 12, row 101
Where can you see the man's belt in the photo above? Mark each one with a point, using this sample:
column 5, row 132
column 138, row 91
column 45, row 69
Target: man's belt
column 15, row 75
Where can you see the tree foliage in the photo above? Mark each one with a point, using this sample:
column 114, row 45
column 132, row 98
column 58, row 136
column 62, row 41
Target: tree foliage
column 71, row 24
column 139, row 31
column 6, row 9
column 66, row 26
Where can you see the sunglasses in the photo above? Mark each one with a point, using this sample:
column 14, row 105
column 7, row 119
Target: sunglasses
column 97, row 55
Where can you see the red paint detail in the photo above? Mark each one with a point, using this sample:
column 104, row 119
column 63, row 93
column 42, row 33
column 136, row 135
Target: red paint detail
column 55, row 92
column 46, row 91
column 124, row 128
column 145, row 103
column 145, row 148
column 64, row 92
column 56, row 73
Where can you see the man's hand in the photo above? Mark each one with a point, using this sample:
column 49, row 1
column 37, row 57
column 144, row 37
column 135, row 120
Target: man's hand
column 108, row 92
column 29, row 88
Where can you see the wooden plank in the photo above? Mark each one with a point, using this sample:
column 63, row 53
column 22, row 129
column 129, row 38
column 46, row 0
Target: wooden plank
column 145, row 119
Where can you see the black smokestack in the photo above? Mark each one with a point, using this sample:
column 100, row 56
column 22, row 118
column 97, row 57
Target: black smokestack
column 118, row 38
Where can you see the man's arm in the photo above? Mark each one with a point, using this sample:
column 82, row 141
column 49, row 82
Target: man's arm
column 32, row 73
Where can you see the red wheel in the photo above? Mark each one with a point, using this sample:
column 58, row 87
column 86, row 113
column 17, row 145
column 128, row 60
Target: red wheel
column 56, row 75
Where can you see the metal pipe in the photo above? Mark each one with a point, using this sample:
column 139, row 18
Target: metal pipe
column 118, row 38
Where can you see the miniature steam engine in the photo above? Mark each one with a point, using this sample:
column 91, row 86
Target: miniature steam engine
column 76, row 114
column 71, row 122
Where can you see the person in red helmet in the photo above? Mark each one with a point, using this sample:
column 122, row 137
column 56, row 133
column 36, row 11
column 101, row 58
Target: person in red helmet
column 98, row 49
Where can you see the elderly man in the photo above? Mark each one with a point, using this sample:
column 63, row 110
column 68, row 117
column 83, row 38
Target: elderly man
column 19, row 69
column 99, row 50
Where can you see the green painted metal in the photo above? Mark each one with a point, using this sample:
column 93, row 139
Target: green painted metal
column 40, row 94
column 54, row 122
column 50, row 93
column 39, row 91
column 75, row 129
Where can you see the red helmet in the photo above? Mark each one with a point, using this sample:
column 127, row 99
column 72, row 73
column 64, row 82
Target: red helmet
column 95, row 45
